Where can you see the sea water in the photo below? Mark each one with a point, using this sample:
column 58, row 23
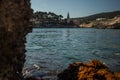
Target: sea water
column 53, row 49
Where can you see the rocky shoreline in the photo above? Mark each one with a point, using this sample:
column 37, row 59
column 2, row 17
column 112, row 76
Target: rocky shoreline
column 14, row 26
column 94, row 70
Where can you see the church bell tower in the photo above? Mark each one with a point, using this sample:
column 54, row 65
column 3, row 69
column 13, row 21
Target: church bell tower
column 68, row 17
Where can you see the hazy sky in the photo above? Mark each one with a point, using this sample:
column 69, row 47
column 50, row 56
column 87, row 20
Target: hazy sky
column 76, row 8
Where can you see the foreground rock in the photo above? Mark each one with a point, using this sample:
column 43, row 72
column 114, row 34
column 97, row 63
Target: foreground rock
column 94, row 70
column 14, row 25
column 33, row 73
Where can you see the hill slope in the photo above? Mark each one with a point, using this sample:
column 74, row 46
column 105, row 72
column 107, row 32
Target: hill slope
column 102, row 20
column 107, row 15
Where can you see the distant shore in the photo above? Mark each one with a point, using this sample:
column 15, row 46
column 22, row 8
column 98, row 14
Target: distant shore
column 56, row 26
column 107, row 20
column 103, row 23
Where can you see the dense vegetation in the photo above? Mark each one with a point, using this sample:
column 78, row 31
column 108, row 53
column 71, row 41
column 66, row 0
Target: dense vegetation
column 45, row 17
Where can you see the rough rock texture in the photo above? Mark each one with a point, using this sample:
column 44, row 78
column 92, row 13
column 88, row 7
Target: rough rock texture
column 94, row 70
column 14, row 25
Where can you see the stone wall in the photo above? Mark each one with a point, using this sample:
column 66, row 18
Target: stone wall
column 14, row 25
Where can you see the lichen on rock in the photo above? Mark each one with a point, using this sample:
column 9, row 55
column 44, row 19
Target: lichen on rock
column 94, row 70
column 14, row 25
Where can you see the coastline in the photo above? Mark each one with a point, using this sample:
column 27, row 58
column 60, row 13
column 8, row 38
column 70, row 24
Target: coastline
column 92, row 70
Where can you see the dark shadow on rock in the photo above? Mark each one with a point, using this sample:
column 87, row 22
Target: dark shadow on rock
column 14, row 26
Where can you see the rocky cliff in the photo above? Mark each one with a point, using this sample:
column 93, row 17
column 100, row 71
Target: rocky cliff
column 94, row 70
column 14, row 25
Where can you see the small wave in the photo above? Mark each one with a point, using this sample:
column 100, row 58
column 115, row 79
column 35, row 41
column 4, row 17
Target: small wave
column 95, row 52
column 117, row 54
column 35, row 47
column 71, row 58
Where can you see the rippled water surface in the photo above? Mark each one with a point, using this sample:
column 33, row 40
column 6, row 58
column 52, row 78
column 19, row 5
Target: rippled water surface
column 53, row 49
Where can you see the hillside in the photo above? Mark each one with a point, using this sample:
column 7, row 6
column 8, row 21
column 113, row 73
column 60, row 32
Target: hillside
column 107, row 15
column 102, row 20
